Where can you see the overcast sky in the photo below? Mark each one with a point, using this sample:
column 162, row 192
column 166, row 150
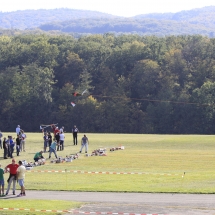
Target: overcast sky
column 125, row 8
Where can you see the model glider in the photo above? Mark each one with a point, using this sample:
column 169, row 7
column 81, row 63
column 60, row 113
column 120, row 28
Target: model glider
column 73, row 104
column 46, row 126
column 79, row 94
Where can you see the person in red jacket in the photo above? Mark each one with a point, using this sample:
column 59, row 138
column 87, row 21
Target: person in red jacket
column 12, row 177
column 55, row 130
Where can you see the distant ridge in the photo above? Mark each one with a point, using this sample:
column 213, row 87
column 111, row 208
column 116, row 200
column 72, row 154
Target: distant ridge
column 196, row 21
column 180, row 16
column 23, row 19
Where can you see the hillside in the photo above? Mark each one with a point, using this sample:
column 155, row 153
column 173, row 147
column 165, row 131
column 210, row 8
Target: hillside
column 23, row 19
column 196, row 21
column 129, row 25
column 201, row 16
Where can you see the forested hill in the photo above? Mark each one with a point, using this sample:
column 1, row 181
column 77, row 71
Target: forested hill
column 203, row 15
column 196, row 21
column 23, row 19
column 129, row 25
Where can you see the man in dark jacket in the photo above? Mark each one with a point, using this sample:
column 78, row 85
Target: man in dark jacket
column 75, row 135
column 5, row 147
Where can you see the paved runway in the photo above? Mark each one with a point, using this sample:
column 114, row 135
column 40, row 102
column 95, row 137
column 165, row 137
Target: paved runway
column 135, row 203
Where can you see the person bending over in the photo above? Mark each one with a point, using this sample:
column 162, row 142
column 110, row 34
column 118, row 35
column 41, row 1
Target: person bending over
column 38, row 156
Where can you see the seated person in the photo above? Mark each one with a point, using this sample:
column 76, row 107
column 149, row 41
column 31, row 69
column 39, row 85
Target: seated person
column 38, row 156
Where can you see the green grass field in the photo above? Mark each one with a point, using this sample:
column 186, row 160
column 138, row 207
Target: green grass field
column 162, row 158
column 36, row 204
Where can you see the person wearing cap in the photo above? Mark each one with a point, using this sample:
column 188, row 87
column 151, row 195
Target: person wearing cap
column 84, row 143
column 20, row 178
column 38, row 156
column 12, row 177
column 18, row 129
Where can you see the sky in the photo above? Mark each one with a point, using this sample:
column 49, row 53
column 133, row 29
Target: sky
column 126, row 8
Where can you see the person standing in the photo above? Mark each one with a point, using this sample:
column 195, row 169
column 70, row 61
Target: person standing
column 61, row 129
column 46, row 140
column 20, row 178
column 75, row 135
column 50, row 139
column 18, row 129
column 17, row 145
column 1, row 135
column 1, row 181
column 12, row 177
column 53, row 149
column 84, row 143
column 23, row 140
column 12, row 144
column 62, row 138
column 20, row 140
column 8, row 146
column 55, row 130
column 5, row 147
column 57, row 139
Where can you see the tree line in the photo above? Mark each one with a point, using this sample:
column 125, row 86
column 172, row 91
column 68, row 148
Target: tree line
column 135, row 84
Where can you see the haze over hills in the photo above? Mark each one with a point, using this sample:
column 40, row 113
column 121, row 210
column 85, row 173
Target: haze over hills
column 203, row 16
column 196, row 21
column 23, row 19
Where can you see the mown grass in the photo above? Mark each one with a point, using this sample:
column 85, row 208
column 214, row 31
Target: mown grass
column 154, row 155
column 36, row 204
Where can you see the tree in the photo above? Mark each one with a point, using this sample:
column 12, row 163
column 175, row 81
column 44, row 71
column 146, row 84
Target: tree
column 70, row 71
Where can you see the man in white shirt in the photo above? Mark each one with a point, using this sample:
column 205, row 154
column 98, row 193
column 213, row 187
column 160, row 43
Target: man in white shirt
column 62, row 138
column 61, row 129
column 20, row 177
column 18, row 129
column 22, row 145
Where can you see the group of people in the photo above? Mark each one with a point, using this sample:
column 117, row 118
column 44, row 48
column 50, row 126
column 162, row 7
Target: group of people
column 16, row 174
column 17, row 171
column 53, row 144
column 56, row 143
column 9, row 143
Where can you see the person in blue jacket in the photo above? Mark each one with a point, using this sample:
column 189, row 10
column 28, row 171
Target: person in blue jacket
column 53, row 149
